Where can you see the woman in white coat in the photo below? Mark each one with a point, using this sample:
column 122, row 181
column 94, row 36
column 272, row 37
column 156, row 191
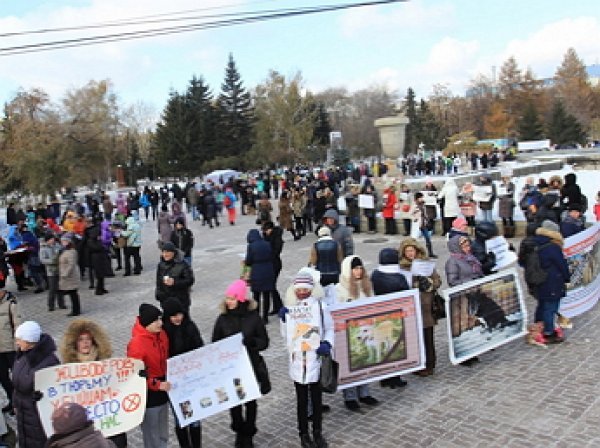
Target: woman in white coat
column 305, row 362
column 354, row 285
column 449, row 193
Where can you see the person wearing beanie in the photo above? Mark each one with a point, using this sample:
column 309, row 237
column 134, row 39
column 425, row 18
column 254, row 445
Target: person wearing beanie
column 183, row 239
column 73, row 429
column 150, row 344
column 35, row 351
column 460, row 227
column 387, row 278
column 340, row 233
column 326, row 256
column 184, row 337
column 573, row 221
column 239, row 314
column 174, row 277
column 410, row 250
column 304, row 366
column 354, row 285
column 549, row 242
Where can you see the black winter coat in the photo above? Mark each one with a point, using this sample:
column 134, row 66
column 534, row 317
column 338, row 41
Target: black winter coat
column 244, row 319
column 182, row 338
column 183, row 240
column 98, row 258
column 570, row 193
column 184, row 279
column 384, row 283
column 29, row 427
column 259, row 258
column 487, row 261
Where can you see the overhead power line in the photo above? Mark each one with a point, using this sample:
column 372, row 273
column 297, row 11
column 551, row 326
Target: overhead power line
column 244, row 18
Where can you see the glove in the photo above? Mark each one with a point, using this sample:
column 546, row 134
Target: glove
column 491, row 258
column 424, row 284
column 282, row 312
column 248, row 342
column 37, row 395
column 324, row 349
column 143, row 373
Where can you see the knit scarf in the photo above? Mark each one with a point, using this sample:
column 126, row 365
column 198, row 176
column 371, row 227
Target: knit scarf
column 470, row 259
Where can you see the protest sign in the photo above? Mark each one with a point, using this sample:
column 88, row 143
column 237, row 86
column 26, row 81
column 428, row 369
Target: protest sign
column 430, row 197
column 366, row 201
column 482, row 193
column 500, row 248
column 582, row 252
column 378, row 337
column 111, row 390
column 422, row 268
column 211, row 379
column 484, row 314
column 303, row 328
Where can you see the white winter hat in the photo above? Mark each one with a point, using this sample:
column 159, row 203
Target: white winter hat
column 29, row 331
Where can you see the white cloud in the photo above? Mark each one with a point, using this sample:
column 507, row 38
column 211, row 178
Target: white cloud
column 383, row 19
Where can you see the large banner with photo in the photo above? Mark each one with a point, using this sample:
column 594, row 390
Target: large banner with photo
column 112, row 391
column 484, row 314
column 378, row 337
column 582, row 251
column 211, row 379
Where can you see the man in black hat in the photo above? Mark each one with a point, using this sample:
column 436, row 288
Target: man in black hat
column 573, row 222
column 174, row 277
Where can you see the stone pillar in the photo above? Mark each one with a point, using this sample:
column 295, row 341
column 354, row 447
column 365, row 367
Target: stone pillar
column 392, row 134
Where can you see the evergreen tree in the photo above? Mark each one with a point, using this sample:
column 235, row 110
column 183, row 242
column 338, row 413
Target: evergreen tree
column 172, row 136
column 530, row 127
column 200, row 121
column 322, row 126
column 429, row 131
column 411, row 143
column 563, row 127
column 235, row 114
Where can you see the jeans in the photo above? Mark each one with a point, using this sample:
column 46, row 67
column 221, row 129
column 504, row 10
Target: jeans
column 545, row 312
column 354, row 393
column 427, row 236
column 155, row 427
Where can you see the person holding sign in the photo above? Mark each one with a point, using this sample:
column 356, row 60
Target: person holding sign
column 150, row 344
column 85, row 341
column 240, row 314
column 427, row 283
column 304, row 361
column 35, row 351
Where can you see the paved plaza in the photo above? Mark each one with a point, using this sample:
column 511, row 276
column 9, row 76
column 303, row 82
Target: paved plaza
column 517, row 396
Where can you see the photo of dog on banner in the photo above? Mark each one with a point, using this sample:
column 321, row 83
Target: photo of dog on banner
column 484, row 314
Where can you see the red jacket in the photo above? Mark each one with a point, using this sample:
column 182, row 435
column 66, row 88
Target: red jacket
column 153, row 350
column 597, row 211
column 389, row 206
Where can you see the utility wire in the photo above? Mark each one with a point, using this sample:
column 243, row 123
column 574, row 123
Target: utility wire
column 263, row 16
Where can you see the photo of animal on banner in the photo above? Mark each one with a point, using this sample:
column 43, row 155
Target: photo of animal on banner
column 377, row 337
column 484, row 314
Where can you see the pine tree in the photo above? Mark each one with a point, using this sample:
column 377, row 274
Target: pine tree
column 563, row 127
column 172, row 136
column 200, row 121
column 322, row 126
column 530, row 127
column 235, row 114
column 430, row 131
column 410, row 142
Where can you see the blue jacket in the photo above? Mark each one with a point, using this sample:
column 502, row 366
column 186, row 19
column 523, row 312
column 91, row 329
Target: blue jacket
column 554, row 263
column 327, row 256
column 570, row 226
column 259, row 258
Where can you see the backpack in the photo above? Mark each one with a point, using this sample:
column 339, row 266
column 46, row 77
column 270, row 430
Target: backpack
column 534, row 274
column 227, row 201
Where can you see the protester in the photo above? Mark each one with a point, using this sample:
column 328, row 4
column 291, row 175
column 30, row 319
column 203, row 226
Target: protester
column 370, row 213
column 229, row 203
column 35, row 351
column 210, row 210
column 84, row 341
column 184, row 337
column 354, row 284
column 239, row 314
column 73, row 429
column 422, row 221
column 487, row 205
column 339, row 232
column 304, row 366
column 459, row 227
column 484, row 231
column 68, row 281
column 10, row 318
column 326, row 256
column 97, row 256
column 183, row 239
column 451, row 209
column 174, row 277
column 388, row 211
column 274, row 235
column 462, row 266
column 286, row 213
column 573, row 222
column 506, row 206
column 133, row 234
column 467, row 206
column 150, row 344
column 549, row 293
column 262, row 276
column 570, row 192
column 164, row 225
column 387, row 278
column 49, row 253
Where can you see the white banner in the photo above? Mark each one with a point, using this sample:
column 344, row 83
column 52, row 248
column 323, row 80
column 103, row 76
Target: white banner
column 500, row 248
column 112, row 391
column 366, row 201
column 582, row 252
column 482, row 193
column 211, row 379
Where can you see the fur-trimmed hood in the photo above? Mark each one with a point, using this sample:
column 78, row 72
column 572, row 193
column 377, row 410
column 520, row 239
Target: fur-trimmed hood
column 68, row 345
column 555, row 237
column 350, row 288
column 556, row 178
column 405, row 263
column 252, row 305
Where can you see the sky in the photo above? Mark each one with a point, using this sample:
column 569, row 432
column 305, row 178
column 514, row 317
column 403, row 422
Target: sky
column 416, row 44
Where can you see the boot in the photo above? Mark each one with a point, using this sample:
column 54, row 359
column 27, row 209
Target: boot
column 509, row 231
column 183, row 437
column 306, row 441
column 248, row 432
column 196, row 435
column 20, row 279
column 319, row 441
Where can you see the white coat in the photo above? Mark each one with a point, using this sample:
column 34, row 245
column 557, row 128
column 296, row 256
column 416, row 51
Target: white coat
column 450, row 193
column 305, row 367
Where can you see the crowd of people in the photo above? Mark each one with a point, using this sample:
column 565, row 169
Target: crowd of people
column 57, row 252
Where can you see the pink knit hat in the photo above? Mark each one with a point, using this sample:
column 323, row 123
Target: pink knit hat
column 459, row 222
column 237, row 290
